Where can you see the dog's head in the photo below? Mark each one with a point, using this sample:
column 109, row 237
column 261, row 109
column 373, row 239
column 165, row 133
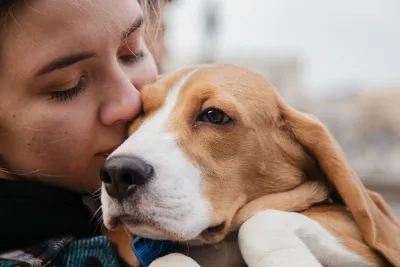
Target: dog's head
column 210, row 140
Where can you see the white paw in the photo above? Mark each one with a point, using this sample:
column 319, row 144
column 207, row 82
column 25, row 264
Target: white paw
column 174, row 260
column 267, row 239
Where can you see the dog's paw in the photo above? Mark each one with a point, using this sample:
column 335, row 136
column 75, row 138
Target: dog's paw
column 174, row 260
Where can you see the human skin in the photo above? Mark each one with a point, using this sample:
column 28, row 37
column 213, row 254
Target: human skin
column 58, row 124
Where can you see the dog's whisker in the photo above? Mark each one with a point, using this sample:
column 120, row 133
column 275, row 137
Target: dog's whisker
column 151, row 245
column 188, row 247
column 96, row 194
column 94, row 198
column 161, row 247
column 98, row 224
column 95, row 214
column 97, row 191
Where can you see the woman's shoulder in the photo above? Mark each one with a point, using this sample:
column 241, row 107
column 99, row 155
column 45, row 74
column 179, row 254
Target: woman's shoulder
column 97, row 251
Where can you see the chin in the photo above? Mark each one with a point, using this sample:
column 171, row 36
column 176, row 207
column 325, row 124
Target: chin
column 159, row 231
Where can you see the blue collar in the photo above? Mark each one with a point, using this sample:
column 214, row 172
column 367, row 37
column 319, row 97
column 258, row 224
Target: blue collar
column 148, row 250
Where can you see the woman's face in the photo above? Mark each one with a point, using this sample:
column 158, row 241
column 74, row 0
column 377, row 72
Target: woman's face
column 69, row 81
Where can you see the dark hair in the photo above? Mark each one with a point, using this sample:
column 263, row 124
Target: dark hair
column 5, row 4
column 6, row 8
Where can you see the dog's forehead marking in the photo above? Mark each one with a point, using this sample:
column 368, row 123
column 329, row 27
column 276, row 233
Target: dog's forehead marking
column 172, row 96
column 157, row 123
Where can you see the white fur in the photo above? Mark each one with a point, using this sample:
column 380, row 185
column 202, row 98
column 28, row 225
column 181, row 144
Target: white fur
column 285, row 239
column 173, row 199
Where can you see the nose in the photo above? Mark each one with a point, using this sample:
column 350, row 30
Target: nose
column 122, row 175
column 121, row 104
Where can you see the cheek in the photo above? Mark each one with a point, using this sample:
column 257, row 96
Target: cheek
column 63, row 135
column 228, row 160
column 56, row 134
column 221, row 152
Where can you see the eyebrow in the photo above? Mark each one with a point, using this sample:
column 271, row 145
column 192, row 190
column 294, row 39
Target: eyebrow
column 69, row 60
column 64, row 62
column 134, row 26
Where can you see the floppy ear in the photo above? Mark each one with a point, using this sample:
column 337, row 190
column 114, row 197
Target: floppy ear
column 378, row 225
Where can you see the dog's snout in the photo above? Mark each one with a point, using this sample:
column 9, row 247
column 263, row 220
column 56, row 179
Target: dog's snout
column 123, row 174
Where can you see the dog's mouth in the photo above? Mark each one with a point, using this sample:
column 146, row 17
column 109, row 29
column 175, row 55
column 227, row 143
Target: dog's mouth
column 147, row 229
column 213, row 230
column 212, row 234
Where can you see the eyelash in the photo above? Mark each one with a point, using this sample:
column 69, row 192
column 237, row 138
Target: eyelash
column 133, row 58
column 70, row 93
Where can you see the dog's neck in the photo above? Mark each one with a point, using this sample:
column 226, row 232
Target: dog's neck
column 223, row 254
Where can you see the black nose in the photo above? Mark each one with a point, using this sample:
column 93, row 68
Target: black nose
column 123, row 174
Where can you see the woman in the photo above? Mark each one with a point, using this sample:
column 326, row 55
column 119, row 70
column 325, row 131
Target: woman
column 71, row 72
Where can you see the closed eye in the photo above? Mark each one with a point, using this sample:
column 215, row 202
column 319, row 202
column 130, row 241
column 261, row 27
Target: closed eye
column 133, row 58
column 71, row 93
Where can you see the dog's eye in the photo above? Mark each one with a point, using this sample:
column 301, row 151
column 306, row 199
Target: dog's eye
column 215, row 116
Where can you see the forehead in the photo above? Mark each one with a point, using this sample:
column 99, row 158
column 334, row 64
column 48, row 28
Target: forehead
column 45, row 29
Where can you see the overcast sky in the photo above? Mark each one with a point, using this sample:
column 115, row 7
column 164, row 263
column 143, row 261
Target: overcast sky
column 338, row 41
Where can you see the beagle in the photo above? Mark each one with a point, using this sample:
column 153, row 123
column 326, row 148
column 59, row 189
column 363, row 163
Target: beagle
column 217, row 152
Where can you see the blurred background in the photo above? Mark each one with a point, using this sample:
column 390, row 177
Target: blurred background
column 339, row 60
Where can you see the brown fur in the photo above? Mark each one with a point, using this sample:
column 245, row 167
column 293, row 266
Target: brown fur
column 298, row 199
column 268, row 158
column 340, row 222
column 122, row 239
